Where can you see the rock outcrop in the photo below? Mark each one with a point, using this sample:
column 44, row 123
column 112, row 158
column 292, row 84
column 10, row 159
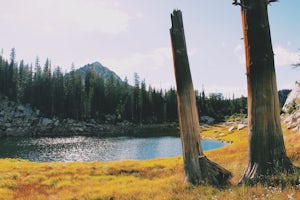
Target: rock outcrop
column 291, row 108
column 292, row 120
column 293, row 100
column 207, row 120
column 16, row 119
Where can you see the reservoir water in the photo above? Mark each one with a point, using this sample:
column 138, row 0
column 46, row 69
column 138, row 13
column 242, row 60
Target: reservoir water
column 81, row 148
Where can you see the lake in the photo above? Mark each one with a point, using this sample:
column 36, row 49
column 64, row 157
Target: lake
column 81, row 148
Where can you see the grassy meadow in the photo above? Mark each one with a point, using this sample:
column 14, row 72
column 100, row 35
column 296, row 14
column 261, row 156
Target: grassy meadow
column 150, row 179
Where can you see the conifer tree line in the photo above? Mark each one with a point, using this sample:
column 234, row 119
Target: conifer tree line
column 68, row 95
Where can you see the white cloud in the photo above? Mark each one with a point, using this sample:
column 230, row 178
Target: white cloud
column 156, row 66
column 144, row 63
column 285, row 57
column 97, row 16
column 192, row 52
column 117, row 3
column 240, row 53
column 282, row 57
column 88, row 15
column 140, row 15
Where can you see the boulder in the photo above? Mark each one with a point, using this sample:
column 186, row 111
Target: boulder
column 241, row 126
column 93, row 121
column 70, row 121
column 20, row 108
column 2, row 127
column 231, row 129
column 207, row 119
column 79, row 129
column 45, row 121
column 7, row 125
column 10, row 132
column 56, row 122
column 221, row 134
column 110, row 118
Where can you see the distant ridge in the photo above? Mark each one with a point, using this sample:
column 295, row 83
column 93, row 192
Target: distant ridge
column 99, row 69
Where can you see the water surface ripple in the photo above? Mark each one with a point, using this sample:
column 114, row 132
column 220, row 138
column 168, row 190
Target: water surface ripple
column 81, row 148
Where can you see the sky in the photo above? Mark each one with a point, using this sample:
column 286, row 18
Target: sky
column 129, row 36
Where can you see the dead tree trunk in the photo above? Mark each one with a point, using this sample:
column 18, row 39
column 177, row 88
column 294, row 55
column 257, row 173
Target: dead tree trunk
column 198, row 169
column 267, row 154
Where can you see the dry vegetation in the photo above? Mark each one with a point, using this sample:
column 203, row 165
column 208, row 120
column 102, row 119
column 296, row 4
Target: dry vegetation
column 151, row 179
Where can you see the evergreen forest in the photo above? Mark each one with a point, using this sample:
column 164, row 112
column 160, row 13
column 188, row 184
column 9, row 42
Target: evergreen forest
column 105, row 99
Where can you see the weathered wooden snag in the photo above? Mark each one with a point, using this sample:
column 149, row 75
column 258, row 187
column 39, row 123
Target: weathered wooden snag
column 198, row 169
column 267, row 154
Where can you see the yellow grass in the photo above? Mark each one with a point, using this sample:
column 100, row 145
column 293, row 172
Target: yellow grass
column 151, row 179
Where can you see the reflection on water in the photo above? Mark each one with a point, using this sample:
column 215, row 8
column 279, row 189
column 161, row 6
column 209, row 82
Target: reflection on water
column 80, row 148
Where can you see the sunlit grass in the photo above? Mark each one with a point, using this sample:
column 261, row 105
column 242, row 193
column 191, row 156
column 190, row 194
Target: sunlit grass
column 150, row 179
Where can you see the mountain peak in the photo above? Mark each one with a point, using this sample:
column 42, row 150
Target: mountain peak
column 99, row 69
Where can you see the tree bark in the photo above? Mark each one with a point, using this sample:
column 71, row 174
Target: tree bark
column 267, row 154
column 198, row 169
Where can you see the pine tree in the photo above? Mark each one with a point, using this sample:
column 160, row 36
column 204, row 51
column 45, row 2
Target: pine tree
column 171, row 105
column 143, row 104
column 2, row 75
column 97, row 103
column 111, row 97
column 58, row 93
column 12, row 77
column 135, row 99
column 46, row 89
column 22, row 81
column 126, row 100
column 90, row 76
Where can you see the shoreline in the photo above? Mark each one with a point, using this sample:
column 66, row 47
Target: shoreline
column 82, row 128
column 22, row 120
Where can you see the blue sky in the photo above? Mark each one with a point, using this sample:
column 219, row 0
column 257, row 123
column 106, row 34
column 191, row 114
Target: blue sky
column 131, row 36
